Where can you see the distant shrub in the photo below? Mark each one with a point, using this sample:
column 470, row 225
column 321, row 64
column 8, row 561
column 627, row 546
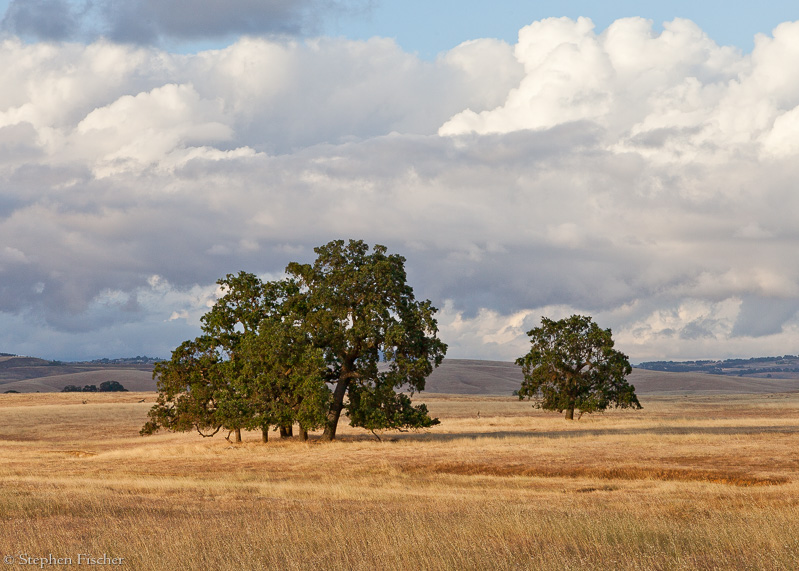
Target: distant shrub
column 11, row 391
column 112, row 386
column 71, row 389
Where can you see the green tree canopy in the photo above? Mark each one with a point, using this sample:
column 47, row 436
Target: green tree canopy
column 189, row 386
column 283, row 378
column 572, row 365
column 357, row 307
column 201, row 385
column 343, row 332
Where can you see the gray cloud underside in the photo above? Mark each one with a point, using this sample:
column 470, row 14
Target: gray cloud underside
column 658, row 196
column 149, row 21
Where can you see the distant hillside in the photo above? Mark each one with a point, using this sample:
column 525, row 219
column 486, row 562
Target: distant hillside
column 785, row 367
column 664, row 383
column 454, row 376
column 464, row 376
column 14, row 362
column 29, row 374
column 473, row 377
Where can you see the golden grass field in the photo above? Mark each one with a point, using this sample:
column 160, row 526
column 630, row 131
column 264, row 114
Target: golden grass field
column 686, row 483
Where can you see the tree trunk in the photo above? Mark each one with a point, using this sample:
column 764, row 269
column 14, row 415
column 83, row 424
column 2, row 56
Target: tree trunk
column 237, row 437
column 286, row 431
column 303, row 434
column 265, row 434
column 335, row 409
column 570, row 413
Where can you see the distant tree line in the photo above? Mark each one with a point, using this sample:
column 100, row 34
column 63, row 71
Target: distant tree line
column 783, row 364
column 138, row 360
column 105, row 387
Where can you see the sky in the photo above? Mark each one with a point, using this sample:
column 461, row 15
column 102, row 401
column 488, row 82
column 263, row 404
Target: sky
column 631, row 161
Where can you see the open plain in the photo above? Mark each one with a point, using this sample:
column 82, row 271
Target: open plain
column 689, row 482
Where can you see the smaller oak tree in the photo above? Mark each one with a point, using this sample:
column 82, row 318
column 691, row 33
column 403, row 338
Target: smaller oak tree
column 201, row 386
column 572, row 365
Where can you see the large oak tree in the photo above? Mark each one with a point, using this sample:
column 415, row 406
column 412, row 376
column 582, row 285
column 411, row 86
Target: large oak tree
column 357, row 307
column 345, row 331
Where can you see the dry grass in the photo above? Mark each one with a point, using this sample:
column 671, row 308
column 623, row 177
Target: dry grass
column 687, row 483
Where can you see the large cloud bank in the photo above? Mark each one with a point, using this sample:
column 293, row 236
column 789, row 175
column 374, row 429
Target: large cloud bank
column 647, row 179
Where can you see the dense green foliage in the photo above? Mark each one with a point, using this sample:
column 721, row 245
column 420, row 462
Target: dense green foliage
column 357, row 307
column 283, row 376
column 572, row 365
column 302, row 349
column 112, row 387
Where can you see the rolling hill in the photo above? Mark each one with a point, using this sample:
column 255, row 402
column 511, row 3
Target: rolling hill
column 30, row 375
column 464, row 376
column 454, row 376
